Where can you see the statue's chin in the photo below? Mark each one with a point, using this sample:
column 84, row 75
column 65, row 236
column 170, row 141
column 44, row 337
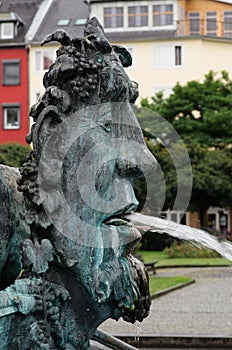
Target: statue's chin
column 131, row 288
column 111, row 278
column 142, row 304
column 122, row 283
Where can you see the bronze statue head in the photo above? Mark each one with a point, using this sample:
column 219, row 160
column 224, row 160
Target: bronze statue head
column 88, row 149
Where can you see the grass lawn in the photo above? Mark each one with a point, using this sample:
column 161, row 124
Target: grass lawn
column 164, row 260
column 158, row 284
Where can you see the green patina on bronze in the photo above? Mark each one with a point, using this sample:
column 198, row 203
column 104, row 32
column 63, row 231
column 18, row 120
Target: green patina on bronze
column 56, row 288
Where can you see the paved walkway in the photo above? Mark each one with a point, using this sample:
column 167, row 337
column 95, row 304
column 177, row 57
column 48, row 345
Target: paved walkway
column 201, row 309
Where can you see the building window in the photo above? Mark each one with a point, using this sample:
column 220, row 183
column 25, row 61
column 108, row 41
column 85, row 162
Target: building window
column 11, row 117
column 194, row 23
column 218, row 219
column 223, row 221
column 63, row 22
column 43, row 60
column 162, row 15
column 137, row 16
column 211, row 23
column 80, row 21
column 168, row 56
column 227, row 27
column 178, row 56
column 7, row 30
column 211, row 221
column 37, row 95
column 11, row 72
column 113, row 17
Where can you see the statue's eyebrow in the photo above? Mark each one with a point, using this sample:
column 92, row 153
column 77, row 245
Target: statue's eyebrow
column 105, row 117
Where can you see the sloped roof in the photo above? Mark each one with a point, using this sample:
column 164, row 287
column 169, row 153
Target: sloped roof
column 21, row 12
column 69, row 10
column 139, row 35
column 10, row 16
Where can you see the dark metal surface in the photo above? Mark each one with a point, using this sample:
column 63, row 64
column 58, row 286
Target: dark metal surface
column 69, row 263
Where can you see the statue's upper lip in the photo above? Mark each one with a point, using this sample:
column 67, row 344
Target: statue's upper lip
column 122, row 229
column 118, row 219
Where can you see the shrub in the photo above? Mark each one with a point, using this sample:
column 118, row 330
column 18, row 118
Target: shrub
column 186, row 250
column 13, row 154
column 155, row 241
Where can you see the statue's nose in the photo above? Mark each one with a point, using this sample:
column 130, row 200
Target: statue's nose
column 139, row 164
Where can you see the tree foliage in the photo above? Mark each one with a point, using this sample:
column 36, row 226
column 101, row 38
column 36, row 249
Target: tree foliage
column 198, row 110
column 201, row 113
column 13, row 154
column 212, row 175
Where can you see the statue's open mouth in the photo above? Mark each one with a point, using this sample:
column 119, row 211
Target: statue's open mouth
column 117, row 221
column 128, row 235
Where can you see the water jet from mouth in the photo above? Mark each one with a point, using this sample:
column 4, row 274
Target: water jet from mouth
column 183, row 232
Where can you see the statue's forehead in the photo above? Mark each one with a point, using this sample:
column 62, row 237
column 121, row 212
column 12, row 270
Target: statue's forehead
column 117, row 113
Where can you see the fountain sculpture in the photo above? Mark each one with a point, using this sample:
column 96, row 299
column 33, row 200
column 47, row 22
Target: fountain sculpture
column 65, row 265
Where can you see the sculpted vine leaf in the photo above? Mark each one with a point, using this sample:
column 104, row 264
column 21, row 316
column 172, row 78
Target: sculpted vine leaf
column 37, row 255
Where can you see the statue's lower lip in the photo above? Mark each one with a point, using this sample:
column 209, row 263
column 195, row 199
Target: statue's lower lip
column 124, row 232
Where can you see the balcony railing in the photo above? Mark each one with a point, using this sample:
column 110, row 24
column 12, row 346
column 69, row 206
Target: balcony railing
column 195, row 27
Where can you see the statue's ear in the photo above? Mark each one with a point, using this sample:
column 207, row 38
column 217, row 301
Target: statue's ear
column 123, row 54
column 47, row 121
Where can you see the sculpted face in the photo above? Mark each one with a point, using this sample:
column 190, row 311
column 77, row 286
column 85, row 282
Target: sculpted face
column 86, row 186
column 88, row 150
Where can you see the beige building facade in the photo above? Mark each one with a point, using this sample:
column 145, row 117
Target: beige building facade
column 40, row 59
column 170, row 40
column 155, row 68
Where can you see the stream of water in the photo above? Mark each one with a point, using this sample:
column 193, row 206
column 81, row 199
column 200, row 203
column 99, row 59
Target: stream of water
column 187, row 233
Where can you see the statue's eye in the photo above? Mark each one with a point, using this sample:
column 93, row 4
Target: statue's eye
column 107, row 126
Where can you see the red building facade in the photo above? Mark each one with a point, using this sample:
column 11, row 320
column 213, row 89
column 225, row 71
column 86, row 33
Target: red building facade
column 15, row 20
column 14, row 120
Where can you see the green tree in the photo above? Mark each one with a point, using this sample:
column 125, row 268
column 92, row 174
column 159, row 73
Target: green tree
column 13, row 154
column 201, row 113
column 212, row 175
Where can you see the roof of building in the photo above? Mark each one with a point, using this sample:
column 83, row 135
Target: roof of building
column 21, row 12
column 139, row 34
column 10, row 16
column 70, row 15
